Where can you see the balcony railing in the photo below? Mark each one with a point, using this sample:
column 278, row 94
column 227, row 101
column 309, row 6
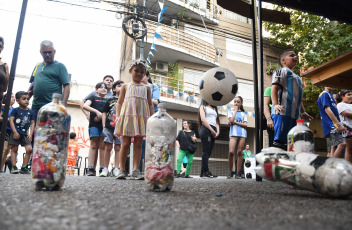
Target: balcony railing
column 206, row 8
column 185, row 41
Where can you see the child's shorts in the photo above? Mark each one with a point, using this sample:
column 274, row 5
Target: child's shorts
column 335, row 137
column 282, row 125
column 110, row 138
column 71, row 162
column 95, row 132
column 23, row 140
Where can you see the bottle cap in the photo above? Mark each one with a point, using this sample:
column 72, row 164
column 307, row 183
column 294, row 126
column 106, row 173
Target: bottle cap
column 300, row 121
column 57, row 95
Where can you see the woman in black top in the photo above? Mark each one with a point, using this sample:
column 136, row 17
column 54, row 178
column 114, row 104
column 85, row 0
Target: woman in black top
column 185, row 138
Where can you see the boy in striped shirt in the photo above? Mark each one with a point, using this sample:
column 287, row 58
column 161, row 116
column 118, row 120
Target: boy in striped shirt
column 286, row 95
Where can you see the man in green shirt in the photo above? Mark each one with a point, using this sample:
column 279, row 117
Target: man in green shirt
column 48, row 77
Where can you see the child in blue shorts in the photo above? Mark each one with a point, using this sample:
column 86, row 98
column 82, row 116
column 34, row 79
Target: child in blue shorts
column 95, row 105
column 286, row 96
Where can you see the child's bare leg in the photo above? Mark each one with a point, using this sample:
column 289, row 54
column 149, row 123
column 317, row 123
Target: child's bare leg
column 108, row 148
column 102, row 152
column 117, row 155
column 348, row 153
column 6, row 151
column 28, row 149
column 93, row 152
column 240, row 153
column 14, row 150
column 126, row 143
column 137, row 144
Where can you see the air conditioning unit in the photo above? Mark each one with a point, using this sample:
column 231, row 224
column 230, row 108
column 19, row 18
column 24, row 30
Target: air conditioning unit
column 161, row 67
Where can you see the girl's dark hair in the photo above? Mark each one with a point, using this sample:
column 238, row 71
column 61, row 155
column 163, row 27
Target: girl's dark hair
column 342, row 93
column 188, row 122
column 118, row 82
column 241, row 107
column 203, row 104
column 98, row 85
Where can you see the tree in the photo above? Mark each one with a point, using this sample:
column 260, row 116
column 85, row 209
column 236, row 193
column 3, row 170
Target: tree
column 316, row 40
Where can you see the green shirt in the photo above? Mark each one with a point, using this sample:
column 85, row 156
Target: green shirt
column 48, row 79
column 247, row 154
column 267, row 93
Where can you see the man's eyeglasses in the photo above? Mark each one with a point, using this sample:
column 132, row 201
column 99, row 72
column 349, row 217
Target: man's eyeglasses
column 47, row 52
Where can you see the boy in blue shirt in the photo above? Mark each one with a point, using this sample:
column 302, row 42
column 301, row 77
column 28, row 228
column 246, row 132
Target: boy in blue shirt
column 21, row 120
column 330, row 121
column 286, row 96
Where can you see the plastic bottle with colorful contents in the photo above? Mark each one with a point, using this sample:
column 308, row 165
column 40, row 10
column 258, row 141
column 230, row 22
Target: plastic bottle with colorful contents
column 300, row 139
column 160, row 149
column 51, row 145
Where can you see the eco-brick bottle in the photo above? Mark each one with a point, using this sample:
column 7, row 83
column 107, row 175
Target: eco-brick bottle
column 300, row 139
column 51, row 145
column 160, row 150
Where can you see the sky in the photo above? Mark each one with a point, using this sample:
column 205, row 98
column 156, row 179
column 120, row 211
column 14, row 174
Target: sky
column 86, row 40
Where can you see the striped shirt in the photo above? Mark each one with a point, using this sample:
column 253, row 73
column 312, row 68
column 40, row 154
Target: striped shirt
column 236, row 130
column 291, row 92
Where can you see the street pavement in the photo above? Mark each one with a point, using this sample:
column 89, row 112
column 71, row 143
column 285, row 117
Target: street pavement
column 197, row 203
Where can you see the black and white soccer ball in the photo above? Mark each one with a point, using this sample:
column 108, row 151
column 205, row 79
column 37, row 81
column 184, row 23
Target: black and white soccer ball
column 218, row 86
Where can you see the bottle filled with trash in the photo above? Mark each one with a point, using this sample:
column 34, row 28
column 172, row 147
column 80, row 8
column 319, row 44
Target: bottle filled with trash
column 160, row 150
column 300, row 139
column 51, row 145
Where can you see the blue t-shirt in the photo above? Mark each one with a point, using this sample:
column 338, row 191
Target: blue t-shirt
column 155, row 95
column 22, row 120
column 326, row 100
column 290, row 94
column 236, row 130
column 8, row 123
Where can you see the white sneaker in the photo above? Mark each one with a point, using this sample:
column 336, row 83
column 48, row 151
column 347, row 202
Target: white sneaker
column 115, row 172
column 104, row 172
column 137, row 175
column 122, row 174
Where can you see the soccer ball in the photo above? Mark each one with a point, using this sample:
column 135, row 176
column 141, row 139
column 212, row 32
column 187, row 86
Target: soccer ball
column 218, row 86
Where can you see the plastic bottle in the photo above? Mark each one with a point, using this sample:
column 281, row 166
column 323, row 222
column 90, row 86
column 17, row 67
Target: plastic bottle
column 160, row 150
column 51, row 145
column 300, row 139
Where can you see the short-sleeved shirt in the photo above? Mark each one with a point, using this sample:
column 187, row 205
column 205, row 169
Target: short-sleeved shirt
column 2, row 115
column 22, row 120
column 326, row 100
column 247, row 154
column 98, row 103
column 267, row 93
column 110, row 110
column 155, row 95
column 181, row 138
column 291, row 92
column 341, row 107
column 48, row 79
column 236, row 130
column 94, row 93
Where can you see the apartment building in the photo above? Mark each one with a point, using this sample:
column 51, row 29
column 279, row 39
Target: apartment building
column 197, row 35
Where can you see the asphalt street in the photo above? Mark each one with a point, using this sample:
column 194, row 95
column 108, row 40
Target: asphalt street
column 207, row 204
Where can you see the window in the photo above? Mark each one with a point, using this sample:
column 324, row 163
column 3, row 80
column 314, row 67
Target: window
column 237, row 17
column 238, row 49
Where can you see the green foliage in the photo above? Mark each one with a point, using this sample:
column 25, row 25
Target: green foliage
column 175, row 82
column 316, row 40
column 271, row 68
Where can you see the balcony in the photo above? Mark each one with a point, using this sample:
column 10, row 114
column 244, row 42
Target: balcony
column 178, row 45
column 194, row 9
column 180, row 95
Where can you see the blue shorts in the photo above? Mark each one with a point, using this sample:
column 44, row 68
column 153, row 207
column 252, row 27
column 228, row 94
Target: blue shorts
column 282, row 125
column 95, row 132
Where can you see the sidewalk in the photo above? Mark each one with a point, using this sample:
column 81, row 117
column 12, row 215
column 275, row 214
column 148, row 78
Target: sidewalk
column 197, row 203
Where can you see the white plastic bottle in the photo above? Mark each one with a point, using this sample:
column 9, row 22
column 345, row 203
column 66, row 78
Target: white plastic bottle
column 51, row 145
column 300, row 139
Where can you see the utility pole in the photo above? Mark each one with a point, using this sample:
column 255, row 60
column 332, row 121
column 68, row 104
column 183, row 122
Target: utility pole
column 142, row 42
